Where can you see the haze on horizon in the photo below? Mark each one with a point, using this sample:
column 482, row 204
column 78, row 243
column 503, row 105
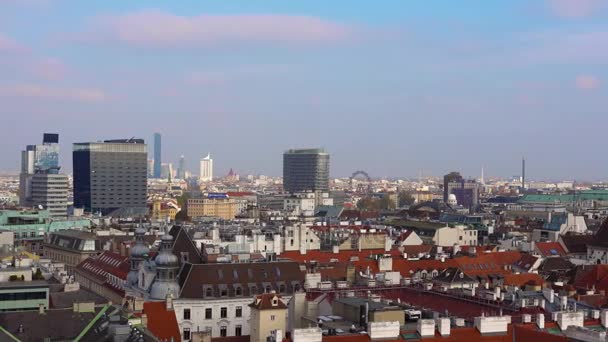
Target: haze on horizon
column 391, row 87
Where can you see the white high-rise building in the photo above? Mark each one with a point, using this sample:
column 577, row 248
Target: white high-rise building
column 206, row 174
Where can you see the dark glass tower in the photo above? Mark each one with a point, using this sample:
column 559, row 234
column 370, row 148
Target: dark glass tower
column 111, row 176
column 306, row 170
column 157, row 155
column 451, row 177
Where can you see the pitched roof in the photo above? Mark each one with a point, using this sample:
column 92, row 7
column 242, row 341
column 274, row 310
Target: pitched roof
column 267, row 301
column 526, row 261
column 183, row 243
column 577, row 243
column 549, row 249
column 556, row 264
column 104, row 265
column 194, row 277
column 62, row 324
column 522, row 279
column 453, row 275
column 596, row 277
column 601, row 236
column 161, row 322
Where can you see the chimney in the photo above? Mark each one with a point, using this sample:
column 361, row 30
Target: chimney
column 443, row 326
column 144, row 320
column 604, row 318
column 41, row 309
column 540, row 320
column 425, row 327
column 169, row 302
column 336, row 249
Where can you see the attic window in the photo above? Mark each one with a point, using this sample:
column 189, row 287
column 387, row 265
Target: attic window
column 208, row 292
column 275, row 301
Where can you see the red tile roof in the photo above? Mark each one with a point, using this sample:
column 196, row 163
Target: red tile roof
column 105, row 265
column 522, row 279
column 596, row 277
column 239, row 193
column 162, row 323
column 264, row 302
column 548, row 249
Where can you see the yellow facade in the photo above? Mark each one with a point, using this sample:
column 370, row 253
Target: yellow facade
column 225, row 208
column 160, row 213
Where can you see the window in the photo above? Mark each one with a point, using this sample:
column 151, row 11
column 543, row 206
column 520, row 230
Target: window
column 281, row 288
column 186, row 313
column 186, row 334
column 209, row 292
column 460, row 238
column 223, row 331
column 239, row 312
column 208, row 313
column 238, row 330
column 238, row 291
column 268, row 289
column 272, row 317
column 223, row 312
column 224, row 292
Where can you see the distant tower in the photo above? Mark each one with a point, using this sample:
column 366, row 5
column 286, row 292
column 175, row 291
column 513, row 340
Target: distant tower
column 482, row 181
column 523, row 173
column 139, row 253
column 167, row 266
column 181, row 169
column 206, row 174
column 157, row 155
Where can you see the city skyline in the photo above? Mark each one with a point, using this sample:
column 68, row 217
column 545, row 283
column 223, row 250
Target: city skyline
column 434, row 87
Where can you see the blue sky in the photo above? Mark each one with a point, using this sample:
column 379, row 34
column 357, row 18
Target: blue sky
column 390, row 86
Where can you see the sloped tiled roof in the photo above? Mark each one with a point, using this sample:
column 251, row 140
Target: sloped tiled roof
column 522, row 279
column 161, row 322
column 550, row 249
column 264, row 302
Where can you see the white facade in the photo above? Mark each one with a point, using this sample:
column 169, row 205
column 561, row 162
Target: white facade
column 206, row 174
column 230, row 314
column 461, row 235
column 300, row 205
column 300, row 238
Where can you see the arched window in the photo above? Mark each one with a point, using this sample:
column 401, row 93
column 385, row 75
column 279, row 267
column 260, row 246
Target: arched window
column 209, row 292
column 268, row 289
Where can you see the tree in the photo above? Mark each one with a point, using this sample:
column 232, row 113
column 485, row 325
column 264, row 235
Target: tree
column 406, row 199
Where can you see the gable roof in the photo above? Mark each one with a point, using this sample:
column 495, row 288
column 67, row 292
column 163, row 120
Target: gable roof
column 264, row 302
column 550, row 249
column 161, row 322
column 577, row 243
column 183, row 243
column 601, row 236
column 194, row 277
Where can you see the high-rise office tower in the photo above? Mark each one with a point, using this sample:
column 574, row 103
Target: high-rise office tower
column 167, row 171
column 40, row 183
column 110, row 176
column 206, row 169
column 305, row 170
column 181, row 168
column 150, row 168
column 452, row 177
column 157, row 155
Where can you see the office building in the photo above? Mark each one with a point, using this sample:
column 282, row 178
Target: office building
column 40, row 183
column 466, row 192
column 50, row 192
column 157, row 155
column 111, row 176
column 206, row 174
column 150, row 169
column 181, row 168
column 306, row 170
column 214, row 205
column 452, row 177
column 167, row 171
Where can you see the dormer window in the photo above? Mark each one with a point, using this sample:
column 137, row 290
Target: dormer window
column 275, row 301
column 208, row 292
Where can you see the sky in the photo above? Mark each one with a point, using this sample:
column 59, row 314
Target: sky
column 396, row 88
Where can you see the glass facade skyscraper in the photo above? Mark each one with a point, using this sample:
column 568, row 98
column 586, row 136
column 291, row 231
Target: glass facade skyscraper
column 157, row 155
column 110, row 177
column 305, row 170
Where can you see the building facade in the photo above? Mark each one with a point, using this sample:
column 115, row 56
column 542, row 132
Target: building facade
column 71, row 247
column 206, row 174
column 306, row 170
column 111, row 176
column 40, row 184
column 452, row 177
column 157, row 155
column 225, row 208
column 50, row 191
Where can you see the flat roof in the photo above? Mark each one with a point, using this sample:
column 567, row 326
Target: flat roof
column 23, row 284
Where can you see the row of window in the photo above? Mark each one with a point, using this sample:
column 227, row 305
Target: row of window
column 238, row 291
column 238, row 331
column 238, row 312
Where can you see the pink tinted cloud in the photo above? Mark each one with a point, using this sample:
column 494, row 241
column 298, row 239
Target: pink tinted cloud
column 36, row 91
column 575, row 8
column 48, row 68
column 8, row 45
column 587, row 82
column 160, row 29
